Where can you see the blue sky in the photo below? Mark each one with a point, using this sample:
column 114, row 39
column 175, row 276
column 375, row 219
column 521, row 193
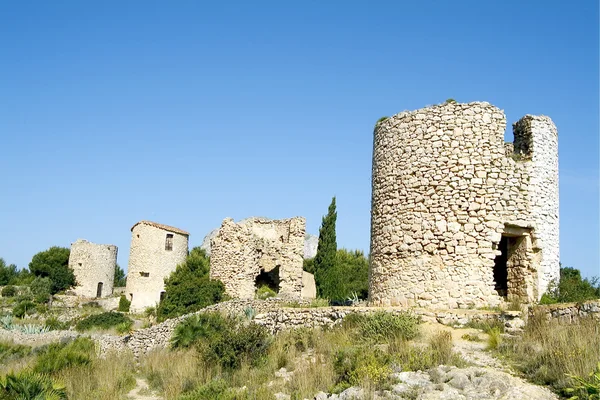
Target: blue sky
column 189, row 112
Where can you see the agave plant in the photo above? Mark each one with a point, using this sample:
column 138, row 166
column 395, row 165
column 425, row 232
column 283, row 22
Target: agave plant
column 34, row 329
column 6, row 322
column 29, row 385
column 353, row 298
column 250, row 313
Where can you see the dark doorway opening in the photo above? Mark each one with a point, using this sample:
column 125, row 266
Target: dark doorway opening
column 163, row 294
column 269, row 279
column 501, row 268
column 99, row 289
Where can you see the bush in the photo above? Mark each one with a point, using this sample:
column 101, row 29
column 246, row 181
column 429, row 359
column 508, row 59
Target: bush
column 120, row 279
column 54, row 324
column 54, row 264
column 58, row 356
column 41, row 288
column 223, row 340
column 347, row 277
column 382, row 325
column 124, row 304
column 360, row 366
column 9, row 351
column 28, row 385
column 105, row 320
column 9, row 291
column 264, row 292
column 571, row 288
column 24, row 307
column 189, row 288
column 124, row 327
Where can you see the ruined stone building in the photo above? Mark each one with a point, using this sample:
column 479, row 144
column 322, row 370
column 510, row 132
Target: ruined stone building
column 260, row 251
column 94, row 268
column 156, row 250
column 459, row 217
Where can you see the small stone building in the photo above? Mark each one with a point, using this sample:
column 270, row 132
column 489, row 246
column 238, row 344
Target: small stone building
column 156, row 250
column 259, row 251
column 94, row 268
column 460, row 218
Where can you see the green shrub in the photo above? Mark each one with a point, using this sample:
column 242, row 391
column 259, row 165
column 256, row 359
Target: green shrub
column 150, row 312
column 223, row 340
column 381, row 120
column 348, row 276
column 25, row 307
column 124, row 304
column 105, row 320
column 264, row 292
column 361, row 365
column 217, row 389
column 41, row 288
column 585, row 388
column 54, row 264
column 28, row 385
column 124, row 327
column 494, row 338
column 54, row 324
column 9, row 291
column 571, row 288
column 384, row 326
column 10, row 351
column 58, row 356
column 120, row 279
column 449, row 101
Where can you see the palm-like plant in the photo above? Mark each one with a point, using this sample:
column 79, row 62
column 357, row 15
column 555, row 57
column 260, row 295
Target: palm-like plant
column 29, row 385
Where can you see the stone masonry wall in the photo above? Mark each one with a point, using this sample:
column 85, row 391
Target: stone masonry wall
column 150, row 261
column 444, row 191
column 93, row 264
column 240, row 252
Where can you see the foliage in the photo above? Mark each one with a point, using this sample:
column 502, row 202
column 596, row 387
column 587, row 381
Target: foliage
column 124, row 327
column 326, row 250
column 6, row 321
column 494, row 338
column 54, row 264
column 41, row 289
column 189, row 288
column 32, row 329
column 383, row 325
column 9, row 291
column 349, row 275
column 308, row 264
column 10, row 351
column 223, row 340
column 29, row 385
column 8, row 273
column 24, row 307
column 571, row 288
column 120, row 277
column 124, row 304
column 448, row 101
column 585, row 388
column 217, row 389
column 381, row 119
column 548, row 351
column 264, row 292
column 150, row 312
column 103, row 321
column 58, row 356
column 54, row 324
column 360, row 365
column 250, row 313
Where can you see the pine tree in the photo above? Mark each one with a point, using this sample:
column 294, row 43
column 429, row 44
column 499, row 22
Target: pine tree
column 326, row 250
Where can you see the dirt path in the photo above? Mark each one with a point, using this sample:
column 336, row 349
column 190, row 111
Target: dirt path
column 142, row 391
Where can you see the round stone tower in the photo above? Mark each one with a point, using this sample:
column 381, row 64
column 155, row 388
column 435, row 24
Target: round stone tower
column 156, row 250
column 94, row 268
column 460, row 218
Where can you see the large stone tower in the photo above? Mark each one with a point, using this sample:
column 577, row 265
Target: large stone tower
column 94, row 268
column 156, row 250
column 459, row 218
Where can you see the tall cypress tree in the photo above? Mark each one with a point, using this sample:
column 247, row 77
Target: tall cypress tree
column 326, row 250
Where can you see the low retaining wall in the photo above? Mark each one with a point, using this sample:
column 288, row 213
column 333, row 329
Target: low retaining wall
column 568, row 312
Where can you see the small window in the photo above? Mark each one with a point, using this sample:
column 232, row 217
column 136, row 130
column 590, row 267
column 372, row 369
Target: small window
column 169, row 242
column 145, row 274
column 79, row 264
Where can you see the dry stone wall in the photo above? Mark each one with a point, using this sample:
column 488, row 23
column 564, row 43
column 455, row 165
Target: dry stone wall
column 155, row 252
column 240, row 252
column 450, row 201
column 94, row 268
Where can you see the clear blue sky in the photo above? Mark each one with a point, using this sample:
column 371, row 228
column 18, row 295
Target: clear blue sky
column 188, row 112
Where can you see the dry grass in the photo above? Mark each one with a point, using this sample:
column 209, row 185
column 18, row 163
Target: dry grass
column 548, row 351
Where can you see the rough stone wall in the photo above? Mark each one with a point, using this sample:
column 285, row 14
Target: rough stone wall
column 240, row 252
column 93, row 264
column 445, row 190
column 150, row 262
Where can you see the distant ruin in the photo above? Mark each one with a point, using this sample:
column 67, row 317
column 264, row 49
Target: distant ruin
column 260, row 251
column 156, row 250
column 459, row 217
column 94, row 268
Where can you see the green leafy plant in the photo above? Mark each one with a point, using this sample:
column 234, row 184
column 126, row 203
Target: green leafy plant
column 120, row 279
column 250, row 313
column 105, row 320
column 54, row 264
column 29, row 385
column 124, row 304
column 9, row 291
column 124, row 327
column 6, row 322
column 264, row 292
column 382, row 325
column 25, row 307
column 450, row 101
column 585, row 388
column 571, row 288
column 41, row 289
column 58, row 356
column 11, row 351
column 32, row 329
column 54, row 324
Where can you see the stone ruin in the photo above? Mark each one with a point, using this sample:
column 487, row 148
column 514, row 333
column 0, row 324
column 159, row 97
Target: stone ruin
column 260, row 251
column 459, row 217
column 94, row 268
